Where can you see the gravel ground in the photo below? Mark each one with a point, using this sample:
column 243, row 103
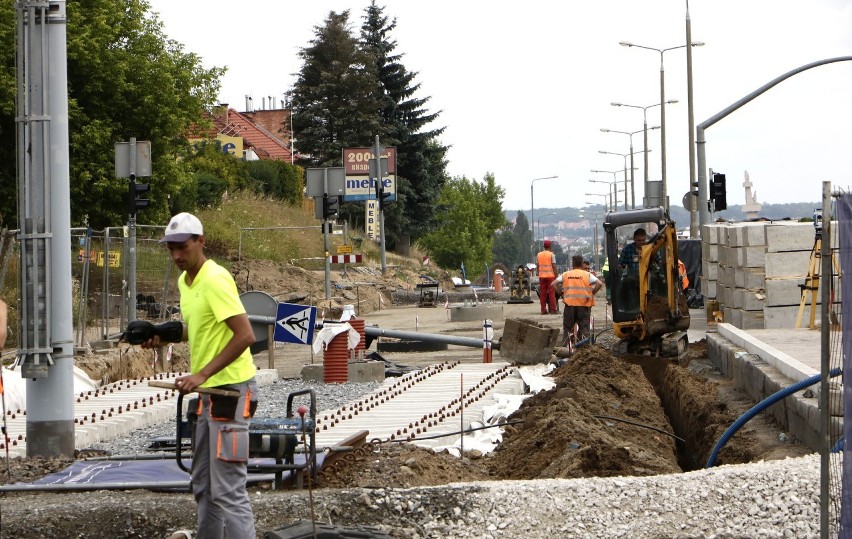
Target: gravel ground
column 272, row 402
column 761, row 500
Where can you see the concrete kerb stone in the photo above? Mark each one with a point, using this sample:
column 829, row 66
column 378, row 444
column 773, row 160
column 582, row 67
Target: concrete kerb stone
column 788, row 365
column 750, row 372
column 358, row 372
column 479, row 312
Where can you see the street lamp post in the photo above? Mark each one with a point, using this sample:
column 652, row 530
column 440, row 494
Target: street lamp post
column 606, row 196
column 630, row 134
column 644, row 128
column 662, row 107
column 532, row 205
column 632, row 168
column 693, row 214
column 594, row 216
column 614, row 184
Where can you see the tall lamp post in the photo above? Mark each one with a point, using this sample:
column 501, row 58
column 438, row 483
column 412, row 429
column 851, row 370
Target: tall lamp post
column 693, row 181
column 632, row 168
column 630, row 134
column 608, row 195
column 644, row 128
column 662, row 106
column 594, row 216
column 532, row 204
column 614, row 185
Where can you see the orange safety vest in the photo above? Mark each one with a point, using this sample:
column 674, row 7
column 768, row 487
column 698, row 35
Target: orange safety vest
column 545, row 264
column 576, row 288
column 684, row 278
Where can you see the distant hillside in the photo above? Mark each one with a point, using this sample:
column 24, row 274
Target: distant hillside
column 774, row 212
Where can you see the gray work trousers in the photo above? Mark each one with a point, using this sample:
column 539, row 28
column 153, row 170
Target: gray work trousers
column 219, row 474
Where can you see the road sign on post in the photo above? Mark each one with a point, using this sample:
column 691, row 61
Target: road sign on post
column 295, row 323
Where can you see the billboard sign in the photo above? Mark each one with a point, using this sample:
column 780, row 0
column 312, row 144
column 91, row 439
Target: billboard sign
column 359, row 184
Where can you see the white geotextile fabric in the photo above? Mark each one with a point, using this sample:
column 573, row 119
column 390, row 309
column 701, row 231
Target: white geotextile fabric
column 15, row 387
column 330, row 331
column 485, row 440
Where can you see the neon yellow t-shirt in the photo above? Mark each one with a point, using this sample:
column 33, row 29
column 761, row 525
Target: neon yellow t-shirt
column 212, row 299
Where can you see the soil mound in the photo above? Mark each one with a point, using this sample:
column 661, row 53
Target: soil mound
column 588, row 425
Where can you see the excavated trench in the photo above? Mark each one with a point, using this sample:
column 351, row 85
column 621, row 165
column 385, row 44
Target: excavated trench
column 621, row 415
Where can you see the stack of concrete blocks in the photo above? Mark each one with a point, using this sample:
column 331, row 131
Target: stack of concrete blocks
column 755, row 271
column 789, row 247
column 740, row 288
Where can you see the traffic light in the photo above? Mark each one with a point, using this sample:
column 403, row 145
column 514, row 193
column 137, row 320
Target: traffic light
column 380, row 194
column 329, row 206
column 134, row 203
column 718, row 193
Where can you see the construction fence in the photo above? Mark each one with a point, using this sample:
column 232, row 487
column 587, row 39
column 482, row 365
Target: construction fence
column 100, row 280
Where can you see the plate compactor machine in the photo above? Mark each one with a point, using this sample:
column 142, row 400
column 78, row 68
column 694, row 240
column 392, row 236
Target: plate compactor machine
column 649, row 310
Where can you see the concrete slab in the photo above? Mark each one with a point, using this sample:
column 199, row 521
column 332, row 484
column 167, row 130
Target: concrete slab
column 709, row 270
column 749, row 278
column 787, row 265
column 785, row 317
column 709, row 252
column 711, row 233
column 785, row 292
column 755, row 234
column 782, row 237
column 751, row 257
column 709, row 288
column 480, row 312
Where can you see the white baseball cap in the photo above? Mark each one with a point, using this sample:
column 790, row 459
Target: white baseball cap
column 182, row 227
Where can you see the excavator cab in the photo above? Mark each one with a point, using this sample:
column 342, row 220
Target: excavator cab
column 649, row 310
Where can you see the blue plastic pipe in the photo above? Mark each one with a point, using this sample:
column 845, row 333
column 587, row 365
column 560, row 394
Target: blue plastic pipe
column 759, row 407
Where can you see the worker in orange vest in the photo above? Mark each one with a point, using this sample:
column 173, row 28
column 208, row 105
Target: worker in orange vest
column 578, row 288
column 684, row 278
column 546, row 267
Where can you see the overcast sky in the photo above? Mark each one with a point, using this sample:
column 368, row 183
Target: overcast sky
column 524, row 88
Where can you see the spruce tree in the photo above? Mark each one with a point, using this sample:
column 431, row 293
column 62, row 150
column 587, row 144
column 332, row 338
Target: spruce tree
column 421, row 159
column 334, row 98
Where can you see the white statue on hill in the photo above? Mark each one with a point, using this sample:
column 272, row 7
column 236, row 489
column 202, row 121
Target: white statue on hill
column 751, row 208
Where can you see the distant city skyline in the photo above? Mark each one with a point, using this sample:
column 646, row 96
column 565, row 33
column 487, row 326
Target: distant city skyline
column 524, row 93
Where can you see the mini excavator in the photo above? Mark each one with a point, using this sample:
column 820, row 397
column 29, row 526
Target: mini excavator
column 649, row 310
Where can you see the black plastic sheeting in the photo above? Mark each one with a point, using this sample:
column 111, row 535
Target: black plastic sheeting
column 689, row 252
column 130, row 472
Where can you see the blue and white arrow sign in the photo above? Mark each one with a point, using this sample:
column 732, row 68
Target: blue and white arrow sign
column 295, row 323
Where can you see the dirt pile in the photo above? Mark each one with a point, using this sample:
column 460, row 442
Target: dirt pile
column 603, row 418
column 587, row 425
column 129, row 362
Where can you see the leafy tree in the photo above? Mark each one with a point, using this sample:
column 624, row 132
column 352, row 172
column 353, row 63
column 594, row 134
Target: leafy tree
column 214, row 173
column 507, row 249
column 469, row 212
column 334, row 98
column 125, row 79
column 277, row 179
column 421, row 162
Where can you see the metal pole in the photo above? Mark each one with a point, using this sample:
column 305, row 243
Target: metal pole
column 378, row 156
column 615, row 192
column 645, row 152
column 632, row 177
column 693, row 214
column 665, row 196
column 46, row 352
column 532, row 215
column 625, row 174
column 325, row 227
column 825, row 283
column 704, row 214
column 131, row 242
